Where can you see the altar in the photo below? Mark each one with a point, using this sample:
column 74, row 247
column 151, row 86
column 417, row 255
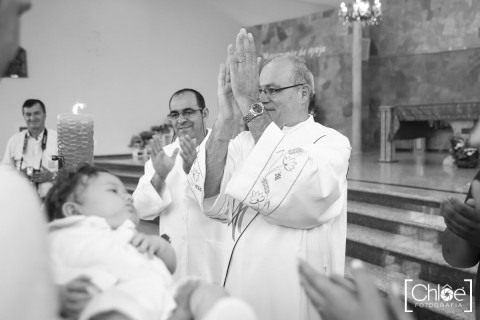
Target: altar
column 415, row 121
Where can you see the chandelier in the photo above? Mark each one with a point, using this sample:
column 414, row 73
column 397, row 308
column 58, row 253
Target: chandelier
column 361, row 10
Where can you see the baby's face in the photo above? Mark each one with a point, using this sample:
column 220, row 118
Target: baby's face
column 105, row 196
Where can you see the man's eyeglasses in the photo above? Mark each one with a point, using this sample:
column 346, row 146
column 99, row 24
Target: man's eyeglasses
column 187, row 113
column 272, row 91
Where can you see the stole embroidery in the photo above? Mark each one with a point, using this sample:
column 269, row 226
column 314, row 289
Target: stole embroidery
column 237, row 217
column 286, row 162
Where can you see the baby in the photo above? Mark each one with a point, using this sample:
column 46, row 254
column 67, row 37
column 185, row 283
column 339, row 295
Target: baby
column 92, row 233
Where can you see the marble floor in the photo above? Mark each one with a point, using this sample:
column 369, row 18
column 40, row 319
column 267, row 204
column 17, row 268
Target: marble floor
column 418, row 170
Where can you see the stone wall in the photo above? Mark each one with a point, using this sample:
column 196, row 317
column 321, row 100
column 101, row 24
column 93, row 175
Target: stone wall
column 424, row 51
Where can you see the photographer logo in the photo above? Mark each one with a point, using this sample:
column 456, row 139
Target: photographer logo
column 436, row 296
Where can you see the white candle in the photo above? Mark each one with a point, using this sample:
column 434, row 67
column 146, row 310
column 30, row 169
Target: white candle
column 75, row 138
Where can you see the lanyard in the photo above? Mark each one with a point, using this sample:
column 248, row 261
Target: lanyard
column 24, row 149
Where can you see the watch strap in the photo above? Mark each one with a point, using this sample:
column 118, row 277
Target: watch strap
column 249, row 117
column 252, row 114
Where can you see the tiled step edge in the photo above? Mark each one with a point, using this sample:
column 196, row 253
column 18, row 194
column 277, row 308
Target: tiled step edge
column 123, row 167
column 127, row 174
column 404, row 197
column 407, row 217
column 403, row 191
column 418, row 225
column 415, row 258
column 406, row 202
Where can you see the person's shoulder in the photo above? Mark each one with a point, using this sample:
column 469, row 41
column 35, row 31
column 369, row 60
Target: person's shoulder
column 242, row 143
column 17, row 136
column 329, row 133
column 16, row 140
column 244, row 136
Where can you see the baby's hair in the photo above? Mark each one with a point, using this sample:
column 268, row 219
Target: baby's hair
column 65, row 186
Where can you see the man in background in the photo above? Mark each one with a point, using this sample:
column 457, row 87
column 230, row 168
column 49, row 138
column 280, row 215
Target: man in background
column 202, row 245
column 31, row 150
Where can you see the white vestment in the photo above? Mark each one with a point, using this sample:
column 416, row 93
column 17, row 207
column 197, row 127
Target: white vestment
column 285, row 197
column 130, row 282
column 202, row 245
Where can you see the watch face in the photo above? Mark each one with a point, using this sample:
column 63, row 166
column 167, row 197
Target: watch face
column 257, row 108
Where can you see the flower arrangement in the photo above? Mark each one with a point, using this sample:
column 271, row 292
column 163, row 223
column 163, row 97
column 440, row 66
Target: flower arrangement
column 463, row 156
column 140, row 142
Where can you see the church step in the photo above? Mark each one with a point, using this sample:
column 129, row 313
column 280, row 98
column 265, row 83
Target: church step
column 121, row 165
column 384, row 278
column 416, row 225
column 127, row 177
column 402, row 197
column 415, row 258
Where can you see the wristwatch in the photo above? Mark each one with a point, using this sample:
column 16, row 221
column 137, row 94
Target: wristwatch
column 166, row 237
column 256, row 109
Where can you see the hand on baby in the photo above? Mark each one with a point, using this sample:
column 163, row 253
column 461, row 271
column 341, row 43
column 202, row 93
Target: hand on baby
column 183, row 297
column 149, row 244
column 75, row 295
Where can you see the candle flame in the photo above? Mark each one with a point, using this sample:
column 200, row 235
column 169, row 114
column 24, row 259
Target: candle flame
column 77, row 106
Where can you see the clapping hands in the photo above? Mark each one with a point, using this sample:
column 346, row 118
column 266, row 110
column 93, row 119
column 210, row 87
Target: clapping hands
column 228, row 108
column 188, row 152
column 162, row 163
column 244, row 68
column 337, row 298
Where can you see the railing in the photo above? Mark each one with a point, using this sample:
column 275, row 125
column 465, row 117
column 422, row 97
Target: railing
column 459, row 114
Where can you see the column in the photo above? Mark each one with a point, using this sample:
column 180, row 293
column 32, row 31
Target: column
column 357, row 88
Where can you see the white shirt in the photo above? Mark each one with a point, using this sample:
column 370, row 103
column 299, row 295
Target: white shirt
column 33, row 154
column 202, row 245
column 284, row 197
column 130, row 281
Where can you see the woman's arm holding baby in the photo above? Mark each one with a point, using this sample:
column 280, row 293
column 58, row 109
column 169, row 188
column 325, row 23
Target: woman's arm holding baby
column 158, row 246
column 461, row 239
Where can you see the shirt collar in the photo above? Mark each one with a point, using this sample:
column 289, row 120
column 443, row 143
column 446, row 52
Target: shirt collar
column 40, row 136
column 298, row 125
